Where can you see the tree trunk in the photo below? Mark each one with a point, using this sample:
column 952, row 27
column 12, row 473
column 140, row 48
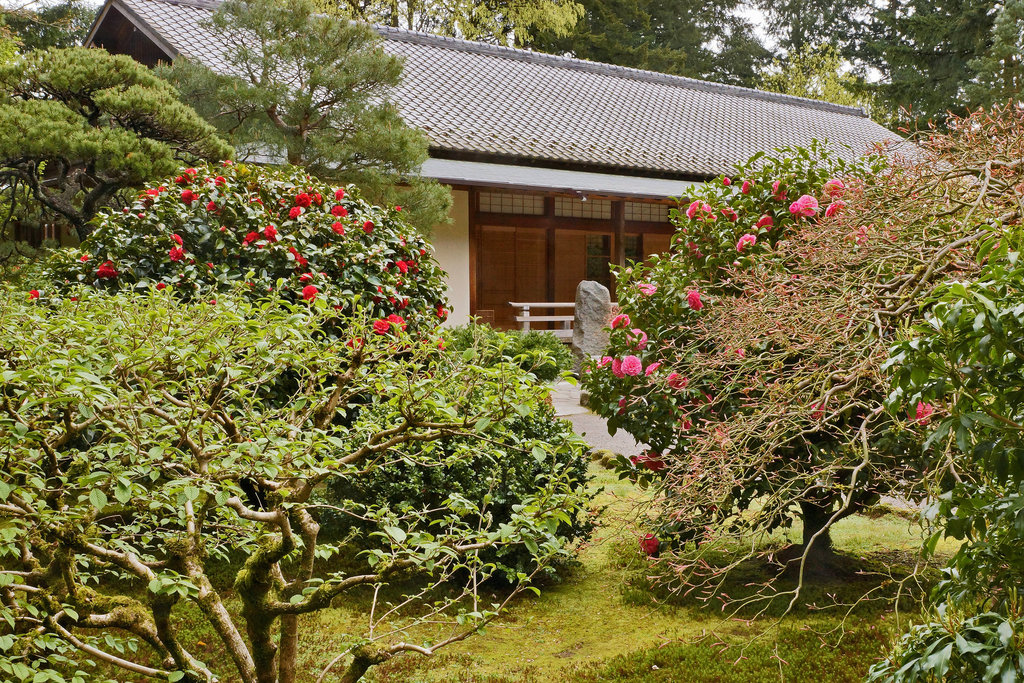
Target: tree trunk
column 289, row 649
column 815, row 517
column 362, row 660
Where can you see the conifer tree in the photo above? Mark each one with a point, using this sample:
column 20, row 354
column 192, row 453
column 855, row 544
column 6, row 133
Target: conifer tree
column 1000, row 69
column 315, row 91
column 79, row 125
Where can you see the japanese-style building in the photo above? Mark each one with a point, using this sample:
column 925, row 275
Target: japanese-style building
column 558, row 166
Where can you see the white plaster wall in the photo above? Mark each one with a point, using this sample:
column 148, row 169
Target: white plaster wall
column 451, row 249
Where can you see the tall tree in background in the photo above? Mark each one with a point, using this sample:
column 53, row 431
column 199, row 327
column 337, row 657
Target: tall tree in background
column 924, row 50
column 37, row 26
column 693, row 38
column 314, row 90
column 799, row 24
column 494, row 21
column 817, row 73
column 1000, row 69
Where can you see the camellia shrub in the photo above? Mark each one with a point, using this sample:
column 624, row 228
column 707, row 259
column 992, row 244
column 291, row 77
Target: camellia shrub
column 157, row 449
column 751, row 358
column 279, row 231
column 535, row 351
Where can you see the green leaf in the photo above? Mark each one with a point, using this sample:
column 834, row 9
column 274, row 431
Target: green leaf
column 98, row 499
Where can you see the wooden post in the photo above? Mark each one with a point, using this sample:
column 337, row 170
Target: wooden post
column 619, row 219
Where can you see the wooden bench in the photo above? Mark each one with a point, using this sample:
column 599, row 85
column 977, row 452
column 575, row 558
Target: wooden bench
column 525, row 317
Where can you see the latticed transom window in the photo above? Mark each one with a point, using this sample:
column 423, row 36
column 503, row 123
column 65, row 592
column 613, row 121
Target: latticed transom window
column 571, row 207
column 512, row 202
column 650, row 213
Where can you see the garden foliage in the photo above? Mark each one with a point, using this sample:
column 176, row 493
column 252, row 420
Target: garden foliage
column 156, row 446
column 79, row 125
column 537, row 352
column 277, row 231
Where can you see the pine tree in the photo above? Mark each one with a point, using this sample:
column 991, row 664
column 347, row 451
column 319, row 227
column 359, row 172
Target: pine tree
column 1000, row 69
column 79, row 125
column 692, row 38
column 924, row 50
column 801, row 24
column 314, row 90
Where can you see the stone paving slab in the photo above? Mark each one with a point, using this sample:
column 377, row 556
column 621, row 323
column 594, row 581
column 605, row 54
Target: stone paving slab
column 593, row 428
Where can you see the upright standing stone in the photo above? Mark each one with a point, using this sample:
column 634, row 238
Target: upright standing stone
column 589, row 328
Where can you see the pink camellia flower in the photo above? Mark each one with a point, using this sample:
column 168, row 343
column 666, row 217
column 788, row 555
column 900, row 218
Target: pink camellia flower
column 765, row 221
column 923, row 413
column 339, row 211
column 730, row 213
column 270, row 232
column 818, row 412
column 632, row 366
column 646, row 288
column 295, row 212
column 834, row 188
column 621, row 320
column 33, row 294
column 302, row 199
column 176, row 254
column 805, row 206
column 726, row 181
column 692, row 210
column 106, row 271
column 650, row 370
column 834, row 208
column 742, row 353
column 745, row 240
column 605, row 360
column 649, row 460
column 338, row 228
column 368, row 227
column 677, row 381
column 638, row 338
column 617, row 368
column 778, row 191
column 309, row 292
column 745, row 188
column 693, row 299
column 339, row 194
column 650, row 545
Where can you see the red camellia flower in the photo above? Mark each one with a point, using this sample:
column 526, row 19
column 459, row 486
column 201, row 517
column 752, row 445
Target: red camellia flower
column 339, row 211
column 339, row 194
column 219, row 181
column 270, row 232
column 299, row 258
column 160, row 286
column 693, row 299
column 33, row 294
column 338, row 228
column 726, row 181
column 83, row 258
column 188, row 196
column 381, row 326
column 649, row 460
column 650, row 544
column 397, row 320
column 177, row 238
column 250, row 238
column 304, row 200
column 309, row 292
column 176, row 254
column 677, row 381
column 295, row 212
column 368, row 227
column 403, row 267
column 442, row 312
column 106, row 270
column 764, row 221
column 153, row 192
column 318, row 198
column 305, row 277
column 398, row 208
column 211, row 206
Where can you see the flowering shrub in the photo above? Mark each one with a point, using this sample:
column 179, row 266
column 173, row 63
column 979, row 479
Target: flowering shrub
column 279, row 231
column 751, row 357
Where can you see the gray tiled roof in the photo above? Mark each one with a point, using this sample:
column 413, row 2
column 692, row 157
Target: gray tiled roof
column 478, row 99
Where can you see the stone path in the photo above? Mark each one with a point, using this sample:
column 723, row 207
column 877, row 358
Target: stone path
column 591, row 427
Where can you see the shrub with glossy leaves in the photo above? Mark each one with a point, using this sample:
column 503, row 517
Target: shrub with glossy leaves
column 536, row 351
column 280, row 232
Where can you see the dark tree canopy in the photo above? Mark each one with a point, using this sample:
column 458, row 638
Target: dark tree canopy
column 78, row 125
column 693, row 38
column 38, row 26
column 315, row 91
column 924, row 51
